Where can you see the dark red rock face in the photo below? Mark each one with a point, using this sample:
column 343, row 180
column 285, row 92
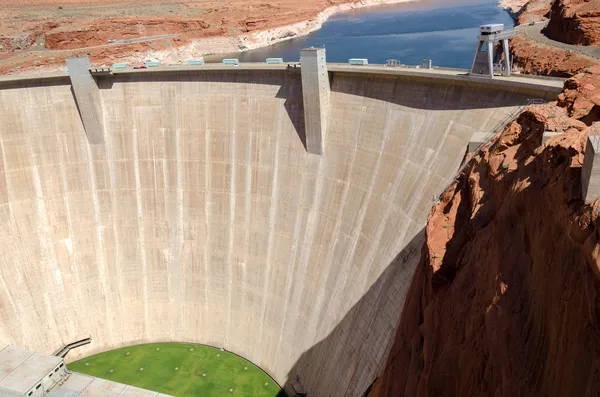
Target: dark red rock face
column 575, row 22
column 505, row 301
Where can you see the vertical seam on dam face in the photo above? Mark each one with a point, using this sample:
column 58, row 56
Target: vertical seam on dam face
column 99, row 231
column 207, row 209
column 273, row 211
column 231, row 220
column 140, row 223
column 174, row 258
column 247, row 218
column 213, row 224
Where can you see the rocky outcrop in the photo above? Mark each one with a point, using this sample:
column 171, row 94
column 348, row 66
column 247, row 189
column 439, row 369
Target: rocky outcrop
column 533, row 58
column 101, row 32
column 581, row 96
column 506, row 298
column 9, row 44
column 575, row 22
column 526, row 11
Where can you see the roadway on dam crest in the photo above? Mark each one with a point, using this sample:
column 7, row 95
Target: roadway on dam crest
column 202, row 218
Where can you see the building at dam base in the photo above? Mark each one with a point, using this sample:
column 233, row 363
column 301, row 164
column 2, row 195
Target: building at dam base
column 201, row 217
column 27, row 374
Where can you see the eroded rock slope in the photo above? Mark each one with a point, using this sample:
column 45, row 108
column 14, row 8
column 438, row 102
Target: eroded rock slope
column 506, row 298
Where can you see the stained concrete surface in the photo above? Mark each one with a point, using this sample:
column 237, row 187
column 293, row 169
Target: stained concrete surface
column 202, row 218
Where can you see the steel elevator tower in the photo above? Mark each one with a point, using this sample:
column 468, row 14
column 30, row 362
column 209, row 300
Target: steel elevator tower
column 485, row 62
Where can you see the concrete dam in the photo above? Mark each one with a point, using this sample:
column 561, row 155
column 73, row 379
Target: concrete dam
column 200, row 216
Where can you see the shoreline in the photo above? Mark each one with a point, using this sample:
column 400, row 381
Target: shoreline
column 513, row 7
column 138, row 53
column 208, row 46
column 267, row 37
column 259, row 39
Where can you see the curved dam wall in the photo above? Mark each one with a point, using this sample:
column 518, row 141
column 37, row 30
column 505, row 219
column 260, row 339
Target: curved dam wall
column 202, row 218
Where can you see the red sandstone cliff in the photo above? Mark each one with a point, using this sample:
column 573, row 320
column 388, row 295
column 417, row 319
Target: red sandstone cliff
column 506, row 298
column 575, row 22
column 533, row 58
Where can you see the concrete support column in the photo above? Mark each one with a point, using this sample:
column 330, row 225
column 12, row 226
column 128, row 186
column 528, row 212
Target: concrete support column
column 590, row 172
column 506, row 56
column 87, row 97
column 315, row 95
column 490, row 45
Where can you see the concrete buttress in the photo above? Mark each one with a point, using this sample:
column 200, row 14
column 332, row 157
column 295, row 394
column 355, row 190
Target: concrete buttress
column 315, row 94
column 87, row 96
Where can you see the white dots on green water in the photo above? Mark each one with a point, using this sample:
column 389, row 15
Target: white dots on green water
column 141, row 369
column 204, row 374
column 266, row 383
column 246, row 368
column 176, row 368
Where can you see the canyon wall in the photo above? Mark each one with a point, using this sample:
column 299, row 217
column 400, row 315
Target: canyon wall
column 575, row 22
column 505, row 300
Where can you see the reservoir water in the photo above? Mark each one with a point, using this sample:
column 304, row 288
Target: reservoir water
column 443, row 31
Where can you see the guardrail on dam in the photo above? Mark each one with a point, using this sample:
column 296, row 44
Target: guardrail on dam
column 201, row 217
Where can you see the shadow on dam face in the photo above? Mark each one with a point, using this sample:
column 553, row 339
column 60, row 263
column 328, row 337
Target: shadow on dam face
column 329, row 364
column 201, row 218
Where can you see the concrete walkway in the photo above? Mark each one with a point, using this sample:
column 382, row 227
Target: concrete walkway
column 534, row 32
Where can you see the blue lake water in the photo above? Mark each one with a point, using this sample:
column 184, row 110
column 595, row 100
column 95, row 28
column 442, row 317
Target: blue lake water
column 445, row 32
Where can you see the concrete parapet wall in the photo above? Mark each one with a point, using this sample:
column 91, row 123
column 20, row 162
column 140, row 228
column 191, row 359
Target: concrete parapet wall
column 202, row 218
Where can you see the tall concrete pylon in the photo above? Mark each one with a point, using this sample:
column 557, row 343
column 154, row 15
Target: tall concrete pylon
column 87, row 97
column 483, row 62
column 315, row 95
